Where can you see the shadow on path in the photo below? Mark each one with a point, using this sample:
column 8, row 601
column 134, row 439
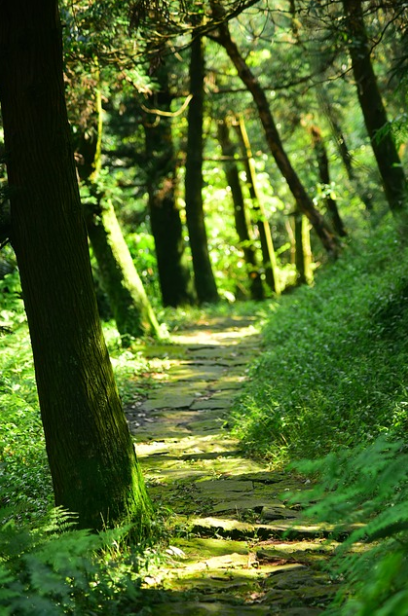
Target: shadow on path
column 236, row 545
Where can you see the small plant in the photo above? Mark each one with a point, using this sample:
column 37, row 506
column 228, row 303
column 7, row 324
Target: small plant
column 53, row 569
column 364, row 491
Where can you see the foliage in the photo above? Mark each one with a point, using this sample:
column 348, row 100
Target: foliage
column 46, row 566
column 333, row 370
column 54, row 569
column 365, row 489
column 25, row 484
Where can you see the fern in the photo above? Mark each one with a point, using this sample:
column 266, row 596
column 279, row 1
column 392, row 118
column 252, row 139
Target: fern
column 54, row 569
column 365, row 490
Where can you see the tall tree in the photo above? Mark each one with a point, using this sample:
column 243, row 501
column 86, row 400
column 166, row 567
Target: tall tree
column 90, row 452
column 203, row 275
column 375, row 116
column 129, row 303
column 303, row 252
column 317, row 43
column 264, row 229
column 303, row 201
column 240, row 213
column 165, row 218
column 324, row 177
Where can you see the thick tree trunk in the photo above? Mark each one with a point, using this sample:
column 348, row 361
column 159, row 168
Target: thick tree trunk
column 375, row 117
column 174, row 275
column 240, row 214
column 129, row 303
column 90, row 452
column 303, row 200
column 324, row 176
column 203, row 275
column 265, row 235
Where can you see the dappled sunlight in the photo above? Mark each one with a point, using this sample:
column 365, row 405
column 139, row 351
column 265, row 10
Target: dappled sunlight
column 221, row 510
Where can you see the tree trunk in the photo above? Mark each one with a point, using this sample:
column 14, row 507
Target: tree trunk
column 324, row 176
column 342, row 148
column 240, row 214
column 203, row 275
column 375, row 117
column 303, row 200
column 131, row 308
column 129, row 303
column 90, row 452
column 319, row 59
column 303, row 254
column 174, row 275
column 265, row 235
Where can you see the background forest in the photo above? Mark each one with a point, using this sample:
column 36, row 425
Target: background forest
column 232, row 158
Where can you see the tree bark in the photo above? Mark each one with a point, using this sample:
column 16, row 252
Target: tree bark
column 303, row 253
column 174, row 275
column 302, row 199
column 90, row 452
column 240, row 214
column 342, row 148
column 203, row 275
column 129, row 303
column 375, row 117
column 264, row 229
column 324, row 176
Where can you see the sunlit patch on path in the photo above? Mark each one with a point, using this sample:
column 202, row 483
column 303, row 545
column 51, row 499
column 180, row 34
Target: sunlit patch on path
column 237, row 546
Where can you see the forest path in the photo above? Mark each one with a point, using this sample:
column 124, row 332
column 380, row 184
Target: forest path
column 228, row 516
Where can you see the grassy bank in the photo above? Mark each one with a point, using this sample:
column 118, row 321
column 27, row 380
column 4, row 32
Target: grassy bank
column 331, row 386
column 333, row 370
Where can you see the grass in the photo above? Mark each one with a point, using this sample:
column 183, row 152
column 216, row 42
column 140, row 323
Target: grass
column 333, row 371
column 331, row 386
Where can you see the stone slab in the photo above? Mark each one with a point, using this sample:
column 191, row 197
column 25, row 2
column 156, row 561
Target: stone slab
column 167, row 401
column 211, row 404
column 279, row 512
column 220, row 487
column 239, row 530
column 196, row 608
column 242, row 504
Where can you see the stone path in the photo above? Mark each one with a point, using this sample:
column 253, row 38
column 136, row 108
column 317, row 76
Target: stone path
column 236, row 546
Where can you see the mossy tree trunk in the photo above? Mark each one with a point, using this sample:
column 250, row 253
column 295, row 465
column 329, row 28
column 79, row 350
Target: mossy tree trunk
column 303, row 252
column 129, row 303
column 167, row 230
column 91, row 455
column 265, row 235
column 324, row 177
column 240, row 213
column 303, row 201
column 203, row 275
column 375, row 117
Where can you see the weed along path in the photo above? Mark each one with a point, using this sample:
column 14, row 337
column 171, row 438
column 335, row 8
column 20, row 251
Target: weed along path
column 229, row 553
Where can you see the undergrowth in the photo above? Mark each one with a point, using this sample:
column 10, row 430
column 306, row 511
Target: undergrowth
column 333, row 370
column 332, row 382
column 53, row 569
column 364, row 491
column 47, row 567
